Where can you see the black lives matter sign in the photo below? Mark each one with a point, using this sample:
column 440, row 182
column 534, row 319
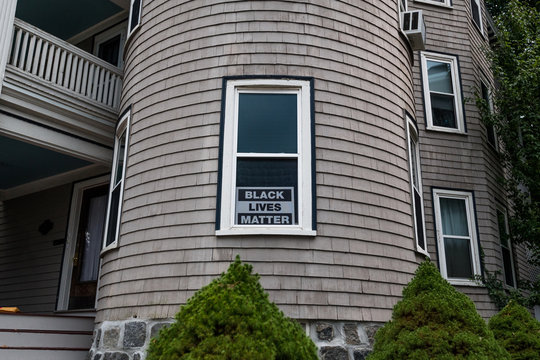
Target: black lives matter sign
column 264, row 206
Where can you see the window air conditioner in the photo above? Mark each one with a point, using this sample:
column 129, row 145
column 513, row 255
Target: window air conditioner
column 412, row 23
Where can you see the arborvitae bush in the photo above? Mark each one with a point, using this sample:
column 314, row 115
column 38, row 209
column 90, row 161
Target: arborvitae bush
column 232, row 318
column 517, row 331
column 434, row 321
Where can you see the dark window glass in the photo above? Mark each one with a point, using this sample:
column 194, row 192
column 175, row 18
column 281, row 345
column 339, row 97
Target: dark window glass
column 454, row 217
column 113, row 216
column 110, row 50
column 419, row 222
column 508, row 271
column 135, row 13
column 475, row 13
column 269, row 173
column 489, row 128
column 267, row 123
column 442, row 110
column 458, row 258
column 120, row 158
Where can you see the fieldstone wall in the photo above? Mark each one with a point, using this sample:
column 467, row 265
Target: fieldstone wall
column 129, row 339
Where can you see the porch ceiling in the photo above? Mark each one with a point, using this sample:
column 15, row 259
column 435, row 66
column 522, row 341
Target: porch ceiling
column 21, row 163
column 65, row 18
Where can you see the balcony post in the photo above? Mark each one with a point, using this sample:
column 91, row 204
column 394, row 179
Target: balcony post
column 7, row 15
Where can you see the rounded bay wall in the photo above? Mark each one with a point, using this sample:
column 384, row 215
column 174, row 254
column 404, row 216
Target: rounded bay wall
column 363, row 254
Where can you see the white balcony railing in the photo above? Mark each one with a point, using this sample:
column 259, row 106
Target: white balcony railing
column 57, row 62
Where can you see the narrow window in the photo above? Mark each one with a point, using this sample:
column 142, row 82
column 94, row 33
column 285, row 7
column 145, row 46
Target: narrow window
column 134, row 15
column 266, row 170
column 416, row 187
column 456, row 236
column 506, row 248
column 490, row 129
column 114, row 207
column 476, row 11
column 445, row 3
column 442, row 92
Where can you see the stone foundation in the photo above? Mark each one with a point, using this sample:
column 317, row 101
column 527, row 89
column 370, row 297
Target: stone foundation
column 129, row 339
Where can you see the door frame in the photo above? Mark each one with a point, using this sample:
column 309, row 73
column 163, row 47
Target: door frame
column 71, row 237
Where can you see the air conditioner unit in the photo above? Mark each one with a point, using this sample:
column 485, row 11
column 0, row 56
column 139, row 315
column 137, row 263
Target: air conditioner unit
column 412, row 24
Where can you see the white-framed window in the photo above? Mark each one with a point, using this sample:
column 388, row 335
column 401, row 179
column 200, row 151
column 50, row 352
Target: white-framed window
column 476, row 13
column 457, row 241
column 416, row 187
column 490, row 129
column 134, row 21
column 445, row 3
column 266, row 169
column 109, row 44
column 116, row 189
column 506, row 248
column 442, row 92
column 402, row 7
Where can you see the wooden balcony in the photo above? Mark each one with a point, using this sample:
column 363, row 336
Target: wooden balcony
column 57, row 85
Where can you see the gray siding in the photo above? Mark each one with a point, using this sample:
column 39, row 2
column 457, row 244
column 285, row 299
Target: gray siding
column 29, row 262
column 356, row 266
column 456, row 161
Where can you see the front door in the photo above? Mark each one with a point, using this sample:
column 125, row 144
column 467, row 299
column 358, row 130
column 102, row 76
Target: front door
column 85, row 236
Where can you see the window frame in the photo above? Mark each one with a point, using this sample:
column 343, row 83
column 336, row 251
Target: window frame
column 412, row 136
column 456, row 88
column 479, row 25
column 502, row 210
column 468, row 198
column 226, row 199
column 109, row 34
column 445, row 3
column 486, row 96
column 131, row 30
column 122, row 128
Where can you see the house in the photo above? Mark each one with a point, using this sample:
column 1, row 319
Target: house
column 329, row 143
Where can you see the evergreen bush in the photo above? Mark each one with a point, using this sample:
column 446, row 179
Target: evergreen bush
column 435, row 321
column 517, row 331
column 232, row 318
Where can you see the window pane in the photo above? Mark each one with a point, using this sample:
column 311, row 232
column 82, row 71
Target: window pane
column 458, row 258
column 135, row 13
column 414, row 163
column 454, row 217
column 508, row 271
column 267, row 123
column 113, row 216
column 93, row 235
column 120, row 158
column 419, row 220
column 110, row 50
column 269, row 173
column 440, row 77
column 475, row 12
column 442, row 110
column 503, row 233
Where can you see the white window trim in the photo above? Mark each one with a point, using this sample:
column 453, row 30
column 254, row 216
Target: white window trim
column 230, row 135
column 400, row 14
column 71, row 238
column 456, row 87
column 131, row 31
column 467, row 196
column 446, row 3
column 123, row 126
column 412, row 133
column 480, row 18
column 106, row 35
column 507, row 228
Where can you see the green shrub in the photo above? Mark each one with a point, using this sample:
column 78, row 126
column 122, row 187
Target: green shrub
column 517, row 331
column 232, row 318
column 434, row 321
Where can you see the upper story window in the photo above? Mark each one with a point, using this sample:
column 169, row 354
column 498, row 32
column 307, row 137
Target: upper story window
column 134, row 15
column 266, row 170
column 116, row 189
column 457, row 241
column 416, row 187
column 442, row 92
column 476, row 11
column 490, row 129
column 506, row 248
column 446, row 3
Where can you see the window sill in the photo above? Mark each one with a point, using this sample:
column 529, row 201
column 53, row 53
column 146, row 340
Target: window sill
column 294, row 231
column 111, row 247
column 446, row 130
column 434, row 3
column 464, row 282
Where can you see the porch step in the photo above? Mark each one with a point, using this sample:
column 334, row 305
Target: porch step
column 43, row 337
